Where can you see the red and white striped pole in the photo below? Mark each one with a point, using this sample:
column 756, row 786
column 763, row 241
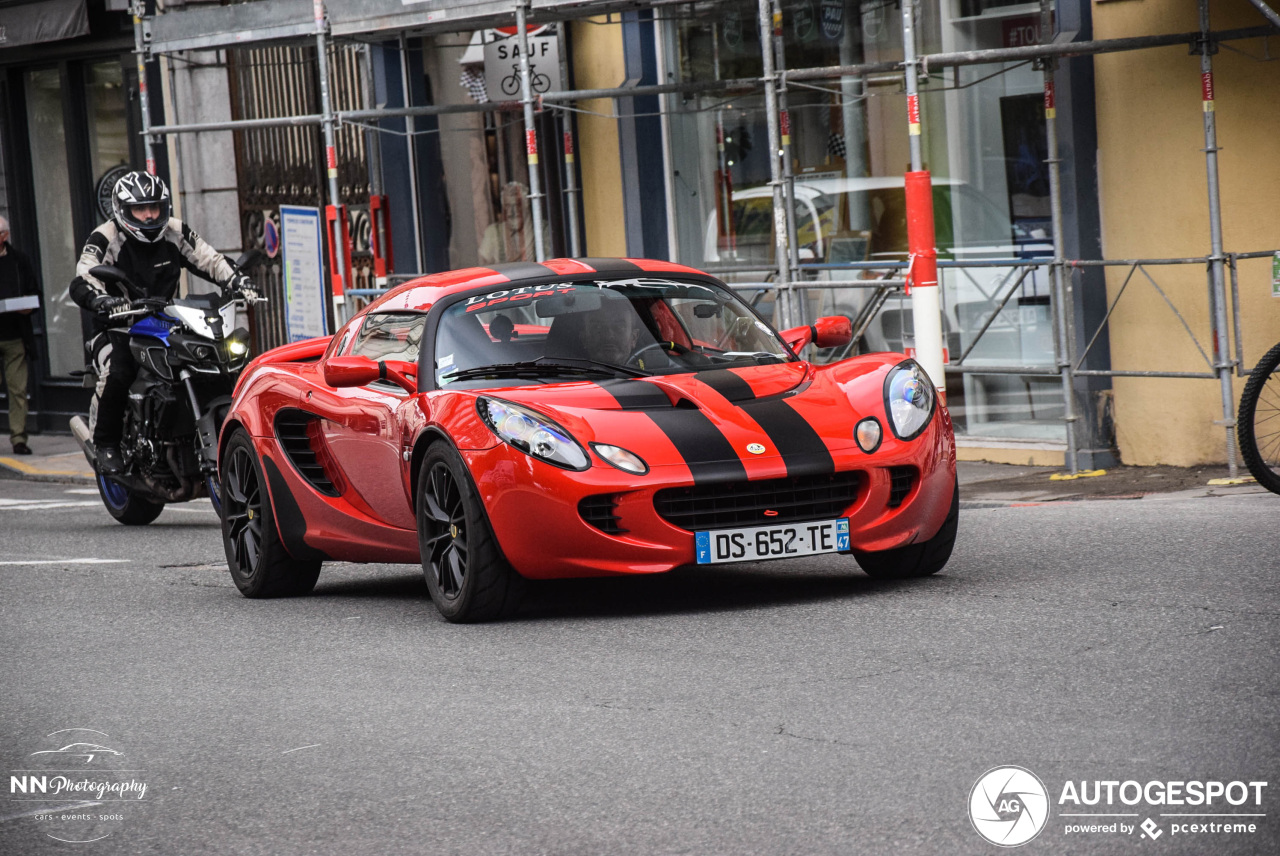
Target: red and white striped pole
column 922, row 269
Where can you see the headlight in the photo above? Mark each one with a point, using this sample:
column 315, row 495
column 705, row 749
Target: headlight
column 628, row 462
column 237, row 344
column 532, row 433
column 908, row 399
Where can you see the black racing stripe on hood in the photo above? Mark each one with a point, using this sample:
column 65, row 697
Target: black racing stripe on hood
column 516, row 271
column 801, row 448
column 635, row 394
column 612, row 265
column 728, row 384
column 706, row 451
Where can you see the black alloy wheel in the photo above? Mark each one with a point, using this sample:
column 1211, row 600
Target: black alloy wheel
column 259, row 563
column 445, row 545
column 468, row 577
column 242, row 508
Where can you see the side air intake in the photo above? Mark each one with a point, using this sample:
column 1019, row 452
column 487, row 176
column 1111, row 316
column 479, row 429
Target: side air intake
column 297, row 431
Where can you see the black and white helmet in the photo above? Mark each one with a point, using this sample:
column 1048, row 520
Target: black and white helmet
column 134, row 192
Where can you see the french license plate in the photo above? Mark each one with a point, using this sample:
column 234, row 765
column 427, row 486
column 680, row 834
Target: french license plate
column 772, row 542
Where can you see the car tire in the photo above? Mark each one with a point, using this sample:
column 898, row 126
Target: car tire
column 916, row 560
column 468, row 577
column 125, row 505
column 260, row 565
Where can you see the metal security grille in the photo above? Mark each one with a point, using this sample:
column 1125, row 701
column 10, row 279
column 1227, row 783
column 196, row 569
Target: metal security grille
column 285, row 165
column 717, row 506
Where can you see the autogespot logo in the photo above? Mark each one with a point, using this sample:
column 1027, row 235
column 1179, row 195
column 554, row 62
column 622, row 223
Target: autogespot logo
column 1008, row 806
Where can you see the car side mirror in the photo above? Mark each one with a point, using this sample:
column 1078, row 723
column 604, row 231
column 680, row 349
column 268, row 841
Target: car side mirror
column 342, row 372
column 832, row 331
column 350, row 371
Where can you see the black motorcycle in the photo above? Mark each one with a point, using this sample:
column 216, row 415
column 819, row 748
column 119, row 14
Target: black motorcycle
column 189, row 358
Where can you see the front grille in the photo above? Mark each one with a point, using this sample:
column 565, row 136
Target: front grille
column 721, row 506
column 294, row 428
column 901, row 480
column 601, row 511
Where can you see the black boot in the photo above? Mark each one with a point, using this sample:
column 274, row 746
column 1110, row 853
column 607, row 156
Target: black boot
column 110, row 461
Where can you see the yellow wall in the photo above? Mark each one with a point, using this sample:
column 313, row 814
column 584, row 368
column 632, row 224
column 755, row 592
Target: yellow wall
column 598, row 64
column 1154, row 201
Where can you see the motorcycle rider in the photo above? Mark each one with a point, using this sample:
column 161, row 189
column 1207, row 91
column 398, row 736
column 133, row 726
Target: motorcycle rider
column 142, row 239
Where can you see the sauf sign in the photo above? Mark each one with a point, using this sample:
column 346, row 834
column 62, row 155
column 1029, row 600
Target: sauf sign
column 502, row 62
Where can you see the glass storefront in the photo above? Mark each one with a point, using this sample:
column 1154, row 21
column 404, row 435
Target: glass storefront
column 55, row 226
column 486, row 172
column 984, row 133
column 59, row 192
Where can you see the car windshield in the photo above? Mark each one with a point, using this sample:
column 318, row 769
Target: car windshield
column 603, row 328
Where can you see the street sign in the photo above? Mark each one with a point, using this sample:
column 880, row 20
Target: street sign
column 502, row 64
column 304, row 290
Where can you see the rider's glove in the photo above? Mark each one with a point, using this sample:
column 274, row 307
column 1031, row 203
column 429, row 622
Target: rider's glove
column 108, row 305
column 242, row 286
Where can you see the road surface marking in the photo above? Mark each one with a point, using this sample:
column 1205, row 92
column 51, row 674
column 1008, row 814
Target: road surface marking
column 69, row 562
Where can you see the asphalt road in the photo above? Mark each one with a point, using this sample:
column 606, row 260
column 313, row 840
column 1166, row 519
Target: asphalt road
column 778, row 708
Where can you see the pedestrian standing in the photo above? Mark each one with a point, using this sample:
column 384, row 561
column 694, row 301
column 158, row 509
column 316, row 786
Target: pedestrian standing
column 17, row 338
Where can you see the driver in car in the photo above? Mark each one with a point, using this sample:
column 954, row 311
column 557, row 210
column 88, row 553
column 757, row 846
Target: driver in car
column 615, row 334
column 152, row 247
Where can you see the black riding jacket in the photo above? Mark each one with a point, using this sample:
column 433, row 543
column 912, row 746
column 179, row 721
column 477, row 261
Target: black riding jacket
column 154, row 267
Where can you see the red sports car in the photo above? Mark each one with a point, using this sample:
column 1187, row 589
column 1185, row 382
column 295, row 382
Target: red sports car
column 577, row 418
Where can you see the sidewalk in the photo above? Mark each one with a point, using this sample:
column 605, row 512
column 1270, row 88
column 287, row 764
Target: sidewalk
column 53, row 458
column 57, row 458
column 996, row 485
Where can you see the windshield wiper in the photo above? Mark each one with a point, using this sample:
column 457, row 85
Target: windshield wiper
column 538, row 368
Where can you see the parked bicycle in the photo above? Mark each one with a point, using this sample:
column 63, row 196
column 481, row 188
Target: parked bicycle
column 1258, row 424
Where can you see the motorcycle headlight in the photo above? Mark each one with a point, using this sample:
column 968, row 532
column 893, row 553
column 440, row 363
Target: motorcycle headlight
column 532, row 433
column 238, row 345
column 909, row 397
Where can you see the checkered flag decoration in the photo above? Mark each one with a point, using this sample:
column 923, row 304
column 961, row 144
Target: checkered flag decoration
column 472, row 80
column 835, row 145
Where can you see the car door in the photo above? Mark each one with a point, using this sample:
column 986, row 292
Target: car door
column 361, row 429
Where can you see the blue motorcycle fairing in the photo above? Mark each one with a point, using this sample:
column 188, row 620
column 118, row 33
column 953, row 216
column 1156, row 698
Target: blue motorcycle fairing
column 158, row 326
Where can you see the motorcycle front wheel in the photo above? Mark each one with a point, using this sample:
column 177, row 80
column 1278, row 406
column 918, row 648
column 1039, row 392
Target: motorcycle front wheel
column 125, row 505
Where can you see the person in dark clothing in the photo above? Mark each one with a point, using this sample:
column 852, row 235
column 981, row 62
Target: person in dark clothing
column 153, row 248
column 17, row 339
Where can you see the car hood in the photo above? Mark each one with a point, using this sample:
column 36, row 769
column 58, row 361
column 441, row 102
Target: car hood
column 779, row 420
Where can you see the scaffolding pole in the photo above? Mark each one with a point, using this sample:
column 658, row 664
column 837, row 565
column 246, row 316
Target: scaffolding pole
column 340, row 273
column 530, row 131
column 770, row 21
column 926, row 307
column 142, row 49
column 1217, row 285
column 1062, row 307
column 795, row 300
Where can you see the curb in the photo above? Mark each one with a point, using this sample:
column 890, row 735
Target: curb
column 11, row 468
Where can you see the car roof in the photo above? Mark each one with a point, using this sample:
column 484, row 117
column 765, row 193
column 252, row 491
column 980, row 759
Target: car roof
column 422, row 293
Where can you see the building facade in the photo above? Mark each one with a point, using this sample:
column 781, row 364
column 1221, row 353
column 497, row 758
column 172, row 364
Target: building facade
column 665, row 152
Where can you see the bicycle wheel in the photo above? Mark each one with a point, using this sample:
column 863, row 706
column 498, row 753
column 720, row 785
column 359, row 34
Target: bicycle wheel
column 1258, row 425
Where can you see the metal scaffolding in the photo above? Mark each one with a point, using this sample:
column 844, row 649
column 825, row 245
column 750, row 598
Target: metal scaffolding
column 789, row 280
